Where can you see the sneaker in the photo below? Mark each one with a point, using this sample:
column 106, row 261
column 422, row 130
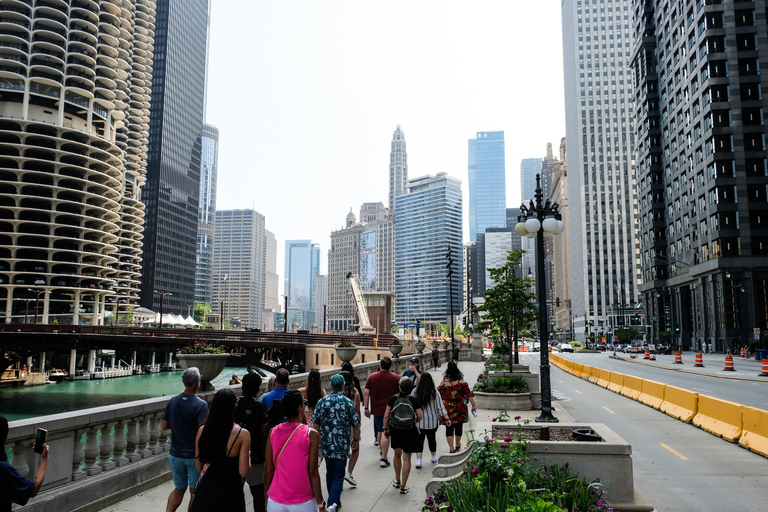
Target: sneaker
column 405, row 490
column 332, row 508
column 434, row 459
column 418, row 463
column 349, row 478
column 384, row 463
column 375, row 442
column 396, row 483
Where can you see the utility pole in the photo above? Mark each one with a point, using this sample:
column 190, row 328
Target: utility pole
column 285, row 315
column 162, row 296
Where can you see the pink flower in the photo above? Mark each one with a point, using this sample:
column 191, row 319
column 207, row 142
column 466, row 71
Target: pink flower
column 507, row 439
column 491, row 440
column 535, row 458
column 546, row 448
column 475, row 471
column 503, row 446
column 518, row 418
column 494, row 419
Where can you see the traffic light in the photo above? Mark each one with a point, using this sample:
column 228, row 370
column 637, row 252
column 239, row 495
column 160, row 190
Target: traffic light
column 449, row 266
column 557, row 302
column 464, row 321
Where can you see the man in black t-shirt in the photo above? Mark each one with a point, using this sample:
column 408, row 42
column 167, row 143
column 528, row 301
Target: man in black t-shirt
column 251, row 414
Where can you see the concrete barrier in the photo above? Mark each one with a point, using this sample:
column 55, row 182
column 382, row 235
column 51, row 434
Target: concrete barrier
column 604, row 378
column 680, row 403
column 652, row 393
column 719, row 417
column 578, row 370
column 594, row 374
column 754, row 434
column 632, row 387
column 616, row 382
column 586, row 371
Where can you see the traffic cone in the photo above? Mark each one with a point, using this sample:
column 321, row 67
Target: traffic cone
column 729, row 363
column 678, row 357
column 647, row 354
column 765, row 369
column 743, row 353
column 699, row 361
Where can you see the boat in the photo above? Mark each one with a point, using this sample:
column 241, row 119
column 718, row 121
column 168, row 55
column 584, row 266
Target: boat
column 81, row 375
column 55, row 375
column 152, row 369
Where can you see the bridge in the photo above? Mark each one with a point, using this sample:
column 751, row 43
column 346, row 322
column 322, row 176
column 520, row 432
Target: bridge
column 18, row 341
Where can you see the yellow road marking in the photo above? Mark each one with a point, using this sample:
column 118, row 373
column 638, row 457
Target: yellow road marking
column 610, row 411
column 674, row 451
column 579, row 392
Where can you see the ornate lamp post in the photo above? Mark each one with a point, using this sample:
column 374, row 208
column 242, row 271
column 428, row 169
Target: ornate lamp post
column 540, row 218
column 162, row 296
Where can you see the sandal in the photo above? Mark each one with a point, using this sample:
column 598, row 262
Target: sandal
column 405, row 490
column 396, row 483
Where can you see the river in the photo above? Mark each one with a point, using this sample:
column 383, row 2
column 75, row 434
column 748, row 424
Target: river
column 28, row 402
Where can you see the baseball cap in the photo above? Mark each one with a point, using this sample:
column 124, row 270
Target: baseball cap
column 337, row 380
column 414, row 359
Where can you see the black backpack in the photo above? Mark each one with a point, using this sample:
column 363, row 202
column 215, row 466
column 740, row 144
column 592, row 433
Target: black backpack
column 251, row 415
column 402, row 416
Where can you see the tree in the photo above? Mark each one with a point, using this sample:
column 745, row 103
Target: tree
column 626, row 335
column 202, row 311
column 509, row 305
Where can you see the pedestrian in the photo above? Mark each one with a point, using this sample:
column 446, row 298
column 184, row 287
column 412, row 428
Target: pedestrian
column 312, row 394
column 252, row 415
column 378, row 388
column 400, row 419
column 414, row 371
column 184, row 414
column 455, row 392
column 14, row 488
column 339, row 427
column 435, row 358
column 291, row 477
column 282, row 379
column 222, row 453
column 351, row 392
column 347, row 367
column 433, row 409
column 709, row 349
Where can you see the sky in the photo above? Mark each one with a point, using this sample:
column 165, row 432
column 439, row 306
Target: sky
column 307, row 95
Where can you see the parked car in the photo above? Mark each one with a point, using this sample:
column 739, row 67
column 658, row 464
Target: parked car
column 565, row 347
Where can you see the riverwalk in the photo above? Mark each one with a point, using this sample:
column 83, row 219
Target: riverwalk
column 374, row 491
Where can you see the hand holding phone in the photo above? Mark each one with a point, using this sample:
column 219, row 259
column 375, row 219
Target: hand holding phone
column 42, row 434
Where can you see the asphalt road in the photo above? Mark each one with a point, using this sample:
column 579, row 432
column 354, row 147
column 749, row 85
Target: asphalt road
column 677, row 467
column 710, row 380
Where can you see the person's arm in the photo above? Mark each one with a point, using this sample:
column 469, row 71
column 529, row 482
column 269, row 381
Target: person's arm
column 165, row 424
column 269, row 467
column 198, row 463
column 366, row 399
column 443, row 411
column 419, row 414
column 244, row 464
column 470, row 396
column 314, row 474
column 39, row 477
column 385, row 422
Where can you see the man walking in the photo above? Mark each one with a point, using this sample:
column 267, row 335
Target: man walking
column 184, row 413
column 336, row 418
column 379, row 388
column 435, row 358
column 413, row 372
column 282, row 378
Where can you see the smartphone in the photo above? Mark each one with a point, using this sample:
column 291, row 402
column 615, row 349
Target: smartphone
column 42, row 434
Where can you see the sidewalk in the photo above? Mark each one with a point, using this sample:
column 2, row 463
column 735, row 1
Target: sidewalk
column 374, row 491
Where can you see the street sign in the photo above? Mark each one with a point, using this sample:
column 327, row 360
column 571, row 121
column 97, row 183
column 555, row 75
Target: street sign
column 411, row 325
column 756, row 332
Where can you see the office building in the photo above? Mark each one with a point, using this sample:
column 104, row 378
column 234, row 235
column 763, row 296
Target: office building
column 272, row 302
column 176, row 118
column 343, row 259
column 320, row 301
column 209, row 168
column 702, row 172
column 73, row 125
column 428, row 225
column 529, row 168
column 239, row 267
column 398, row 167
column 561, row 252
column 597, row 43
column 302, row 266
column 487, row 183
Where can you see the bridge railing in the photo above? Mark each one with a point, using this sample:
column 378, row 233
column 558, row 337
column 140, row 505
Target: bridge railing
column 103, row 455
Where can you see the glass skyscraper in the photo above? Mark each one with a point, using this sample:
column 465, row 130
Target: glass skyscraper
column 176, row 117
column 428, row 224
column 302, row 266
column 206, row 214
column 487, row 183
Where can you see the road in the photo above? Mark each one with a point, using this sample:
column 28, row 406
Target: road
column 677, row 467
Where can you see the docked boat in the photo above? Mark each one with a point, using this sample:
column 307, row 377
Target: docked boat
column 152, row 369
column 55, row 375
column 81, row 375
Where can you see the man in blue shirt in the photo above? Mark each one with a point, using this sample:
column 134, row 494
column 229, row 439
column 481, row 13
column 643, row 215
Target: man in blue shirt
column 336, row 417
column 184, row 413
column 282, row 378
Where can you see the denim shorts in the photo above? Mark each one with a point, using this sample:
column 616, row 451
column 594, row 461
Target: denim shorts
column 185, row 474
column 378, row 423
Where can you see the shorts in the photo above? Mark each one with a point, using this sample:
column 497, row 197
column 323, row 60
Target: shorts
column 378, row 423
column 185, row 474
column 309, row 506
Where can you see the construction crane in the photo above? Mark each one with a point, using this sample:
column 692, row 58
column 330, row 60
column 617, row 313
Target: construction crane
column 362, row 312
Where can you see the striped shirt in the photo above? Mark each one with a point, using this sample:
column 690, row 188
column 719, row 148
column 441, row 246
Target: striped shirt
column 431, row 412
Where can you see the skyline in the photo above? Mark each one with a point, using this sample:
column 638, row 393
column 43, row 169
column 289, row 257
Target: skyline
column 341, row 77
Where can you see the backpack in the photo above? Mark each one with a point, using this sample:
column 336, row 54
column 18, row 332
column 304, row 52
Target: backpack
column 251, row 415
column 402, row 416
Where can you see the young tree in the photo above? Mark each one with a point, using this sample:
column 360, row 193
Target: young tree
column 509, row 305
column 626, row 335
column 201, row 311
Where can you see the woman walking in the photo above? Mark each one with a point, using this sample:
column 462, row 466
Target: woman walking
column 312, row 393
column 291, row 478
column 222, row 455
column 404, row 440
column 351, row 392
column 455, row 392
column 433, row 409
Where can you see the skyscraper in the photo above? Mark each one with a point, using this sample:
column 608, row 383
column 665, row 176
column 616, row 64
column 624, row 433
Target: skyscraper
column 601, row 182
column 428, row 225
column 272, row 302
column 73, row 126
column 398, row 167
column 701, row 170
column 343, row 259
column 209, row 168
column 487, row 183
column 529, row 168
column 561, row 257
column 173, row 162
column 302, row 265
column 239, row 266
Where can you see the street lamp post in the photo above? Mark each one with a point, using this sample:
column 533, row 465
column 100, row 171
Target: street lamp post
column 162, row 296
column 26, row 311
column 37, row 293
column 285, row 316
column 538, row 218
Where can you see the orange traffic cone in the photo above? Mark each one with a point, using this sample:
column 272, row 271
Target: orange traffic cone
column 729, row 363
column 743, row 353
column 652, row 358
column 647, row 354
column 678, row 357
column 699, row 361
column 765, row 369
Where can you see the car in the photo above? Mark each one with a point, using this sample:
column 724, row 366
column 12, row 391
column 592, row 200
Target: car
column 39, row 281
column 565, row 347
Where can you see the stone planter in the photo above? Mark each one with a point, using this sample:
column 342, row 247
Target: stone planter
column 346, row 354
column 210, row 365
column 532, row 379
column 420, row 346
column 396, row 349
column 495, row 401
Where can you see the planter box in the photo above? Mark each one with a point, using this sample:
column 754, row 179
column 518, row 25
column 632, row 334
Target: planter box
column 532, row 379
column 346, row 354
column 210, row 365
column 495, row 401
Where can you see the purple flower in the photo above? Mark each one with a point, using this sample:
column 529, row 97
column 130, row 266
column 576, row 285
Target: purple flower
column 518, row 418
column 475, row 471
column 546, row 448
column 491, row 440
column 494, row 419
column 535, row 458
column 507, row 439
column 503, row 446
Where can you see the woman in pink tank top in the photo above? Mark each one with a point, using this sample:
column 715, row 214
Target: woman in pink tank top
column 291, row 477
